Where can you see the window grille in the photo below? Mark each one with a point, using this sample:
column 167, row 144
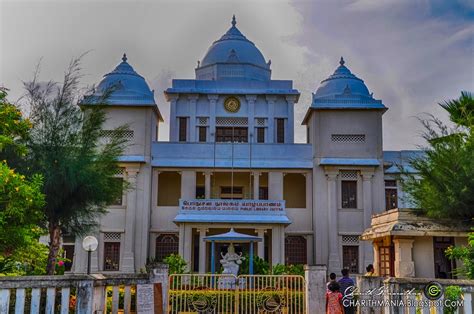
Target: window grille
column 349, row 194
column 350, row 258
column 224, row 121
column 166, row 244
column 349, row 174
column 202, row 121
column 111, row 256
column 280, row 123
column 112, row 236
column 119, row 172
column 348, row 138
column 260, row 121
column 183, row 124
column 350, row 239
column 127, row 134
column 295, row 250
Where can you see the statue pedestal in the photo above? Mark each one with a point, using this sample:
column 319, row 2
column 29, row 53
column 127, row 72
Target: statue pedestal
column 231, row 283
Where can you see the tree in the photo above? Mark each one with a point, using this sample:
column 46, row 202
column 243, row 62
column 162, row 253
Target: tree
column 20, row 197
column 77, row 164
column 464, row 254
column 443, row 186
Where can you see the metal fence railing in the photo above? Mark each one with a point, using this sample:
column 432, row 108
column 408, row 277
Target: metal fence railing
column 249, row 294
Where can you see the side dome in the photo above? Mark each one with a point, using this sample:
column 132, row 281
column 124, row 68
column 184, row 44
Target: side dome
column 340, row 82
column 126, row 87
column 233, row 56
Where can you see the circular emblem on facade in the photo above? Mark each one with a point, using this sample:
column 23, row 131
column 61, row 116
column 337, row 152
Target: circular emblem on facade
column 232, row 104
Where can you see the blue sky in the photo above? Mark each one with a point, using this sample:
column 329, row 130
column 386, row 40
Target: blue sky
column 411, row 54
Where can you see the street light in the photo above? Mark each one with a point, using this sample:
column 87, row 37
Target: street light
column 89, row 244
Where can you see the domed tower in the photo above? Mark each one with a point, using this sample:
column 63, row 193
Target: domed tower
column 344, row 126
column 233, row 56
column 233, row 89
column 129, row 101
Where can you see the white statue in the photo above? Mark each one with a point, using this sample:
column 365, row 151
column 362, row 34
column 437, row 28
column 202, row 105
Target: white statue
column 231, row 261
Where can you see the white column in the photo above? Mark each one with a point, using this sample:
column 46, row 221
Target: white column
column 202, row 251
column 261, row 245
column 367, row 198
column 251, row 115
column 404, row 265
column 128, row 263
column 212, row 116
column 188, row 184
column 276, row 245
column 334, row 260
column 309, row 190
column 207, row 184
column 192, row 117
column 187, row 246
column 289, row 136
column 275, row 185
column 282, row 244
column 173, row 121
column 270, row 136
column 256, row 184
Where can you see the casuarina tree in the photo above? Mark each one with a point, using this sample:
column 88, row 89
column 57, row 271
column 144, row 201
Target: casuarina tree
column 66, row 147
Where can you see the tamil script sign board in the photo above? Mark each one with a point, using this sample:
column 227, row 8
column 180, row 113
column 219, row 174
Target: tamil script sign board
column 218, row 205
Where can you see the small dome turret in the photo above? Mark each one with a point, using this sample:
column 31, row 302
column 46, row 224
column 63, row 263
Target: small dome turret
column 126, row 87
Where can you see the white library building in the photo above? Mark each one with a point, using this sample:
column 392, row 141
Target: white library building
column 231, row 162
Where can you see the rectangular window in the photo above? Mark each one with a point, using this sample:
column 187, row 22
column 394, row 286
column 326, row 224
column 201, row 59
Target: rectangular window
column 350, row 258
column 386, row 258
column 231, row 134
column 349, row 194
column 183, row 129
column 119, row 200
column 391, row 196
column 260, row 135
column 200, row 192
column 166, row 244
column 236, row 192
column 111, row 256
column 280, row 130
column 295, row 250
column 263, row 193
column 202, row 134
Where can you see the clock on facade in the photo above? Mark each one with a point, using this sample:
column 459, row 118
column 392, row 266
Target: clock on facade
column 232, row 104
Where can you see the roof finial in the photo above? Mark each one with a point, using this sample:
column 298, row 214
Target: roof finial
column 233, row 20
column 341, row 62
column 124, row 58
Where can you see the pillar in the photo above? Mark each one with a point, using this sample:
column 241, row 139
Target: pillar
column 212, row 116
column 188, row 184
column 256, row 185
column 202, row 251
column 375, row 246
column 261, row 244
column 251, row 115
column 192, row 117
column 270, row 136
column 367, row 198
column 128, row 262
column 276, row 246
column 404, row 265
column 187, row 245
column 207, row 184
column 289, row 136
column 334, row 260
column 275, row 185
column 316, row 278
column 173, row 121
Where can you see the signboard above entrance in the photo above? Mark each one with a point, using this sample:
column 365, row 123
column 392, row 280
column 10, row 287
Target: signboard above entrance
column 232, row 211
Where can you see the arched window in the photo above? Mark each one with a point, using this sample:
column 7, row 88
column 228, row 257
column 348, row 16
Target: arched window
column 166, row 244
column 295, row 250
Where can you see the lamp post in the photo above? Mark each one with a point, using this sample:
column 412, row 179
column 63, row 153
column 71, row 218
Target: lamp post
column 89, row 244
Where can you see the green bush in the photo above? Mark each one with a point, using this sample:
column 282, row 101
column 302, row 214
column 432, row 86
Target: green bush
column 176, row 264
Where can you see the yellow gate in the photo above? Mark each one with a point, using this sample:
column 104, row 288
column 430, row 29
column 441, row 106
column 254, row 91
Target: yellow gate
column 252, row 294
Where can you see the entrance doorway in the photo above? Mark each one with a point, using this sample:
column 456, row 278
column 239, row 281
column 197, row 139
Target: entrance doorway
column 443, row 266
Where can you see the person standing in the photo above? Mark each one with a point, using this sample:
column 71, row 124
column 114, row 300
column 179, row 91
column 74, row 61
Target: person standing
column 334, row 299
column 332, row 278
column 370, row 270
column 345, row 283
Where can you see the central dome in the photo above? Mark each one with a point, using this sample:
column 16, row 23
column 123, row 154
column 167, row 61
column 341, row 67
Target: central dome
column 233, row 46
column 235, row 57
